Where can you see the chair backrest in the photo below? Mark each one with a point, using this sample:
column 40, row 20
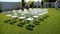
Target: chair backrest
column 34, row 12
column 45, row 10
column 27, row 15
column 30, row 9
column 14, row 11
column 19, row 14
column 25, row 11
column 19, row 11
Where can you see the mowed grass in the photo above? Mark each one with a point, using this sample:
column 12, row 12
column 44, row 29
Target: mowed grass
column 51, row 25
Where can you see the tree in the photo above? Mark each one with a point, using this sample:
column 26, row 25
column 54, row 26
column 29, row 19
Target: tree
column 31, row 5
column 23, row 4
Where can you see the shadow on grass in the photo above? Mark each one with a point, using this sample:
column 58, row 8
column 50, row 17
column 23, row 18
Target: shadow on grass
column 7, row 21
column 23, row 22
column 30, row 27
column 10, row 21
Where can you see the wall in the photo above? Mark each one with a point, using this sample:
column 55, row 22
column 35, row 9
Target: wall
column 9, row 5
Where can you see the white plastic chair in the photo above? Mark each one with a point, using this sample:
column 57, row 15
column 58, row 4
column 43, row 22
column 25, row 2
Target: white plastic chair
column 14, row 11
column 39, row 11
column 14, row 14
column 26, row 13
column 45, row 11
column 34, row 12
column 19, row 11
column 8, row 13
column 20, row 14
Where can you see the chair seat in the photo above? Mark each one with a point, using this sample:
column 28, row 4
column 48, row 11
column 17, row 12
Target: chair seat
column 27, row 15
column 9, row 15
column 21, row 17
column 45, row 13
column 39, row 14
column 29, row 19
column 35, row 16
column 14, row 16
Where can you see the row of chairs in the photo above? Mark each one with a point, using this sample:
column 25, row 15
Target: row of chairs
column 29, row 14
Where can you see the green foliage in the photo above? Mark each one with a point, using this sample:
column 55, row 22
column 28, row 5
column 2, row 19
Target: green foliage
column 31, row 5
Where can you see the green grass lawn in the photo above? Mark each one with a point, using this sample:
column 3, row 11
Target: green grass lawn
column 51, row 25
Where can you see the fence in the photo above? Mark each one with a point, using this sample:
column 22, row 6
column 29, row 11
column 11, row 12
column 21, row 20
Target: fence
column 49, row 5
column 45, row 5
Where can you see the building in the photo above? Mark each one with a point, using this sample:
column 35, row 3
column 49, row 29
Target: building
column 10, row 5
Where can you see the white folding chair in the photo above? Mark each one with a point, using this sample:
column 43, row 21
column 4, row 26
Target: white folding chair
column 35, row 11
column 14, row 11
column 19, row 11
column 40, row 12
column 14, row 14
column 20, row 14
column 26, row 13
column 8, row 13
column 45, row 11
column 32, row 12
